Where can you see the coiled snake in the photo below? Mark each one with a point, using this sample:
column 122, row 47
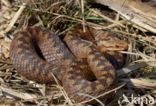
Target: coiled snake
column 38, row 53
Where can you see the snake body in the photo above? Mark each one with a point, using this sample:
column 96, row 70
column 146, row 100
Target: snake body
column 38, row 54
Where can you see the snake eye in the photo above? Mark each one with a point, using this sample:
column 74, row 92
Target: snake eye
column 118, row 46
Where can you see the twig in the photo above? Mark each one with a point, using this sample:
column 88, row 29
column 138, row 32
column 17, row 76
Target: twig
column 16, row 94
column 101, row 95
column 6, row 2
column 83, row 18
column 107, row 18
column 62, row 90
column 130, row 68
column 134, row 11
column 141, row 83
column 16, row 16
column 94, row 98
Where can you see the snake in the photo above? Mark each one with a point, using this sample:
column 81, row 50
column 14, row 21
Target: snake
column 39, row 54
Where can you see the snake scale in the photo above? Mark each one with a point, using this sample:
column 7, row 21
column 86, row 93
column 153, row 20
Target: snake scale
column 38, row 54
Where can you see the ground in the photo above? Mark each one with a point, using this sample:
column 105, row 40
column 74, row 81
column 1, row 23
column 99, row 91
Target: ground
column 60, row 16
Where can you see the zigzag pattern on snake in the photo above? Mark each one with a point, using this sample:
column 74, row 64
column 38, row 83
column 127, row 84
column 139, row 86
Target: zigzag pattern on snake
column 37, row 53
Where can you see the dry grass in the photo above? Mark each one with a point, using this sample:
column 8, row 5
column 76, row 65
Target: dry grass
column 61, row 16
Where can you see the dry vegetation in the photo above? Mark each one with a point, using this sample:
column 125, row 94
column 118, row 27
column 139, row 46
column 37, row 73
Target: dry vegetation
column 61, row 16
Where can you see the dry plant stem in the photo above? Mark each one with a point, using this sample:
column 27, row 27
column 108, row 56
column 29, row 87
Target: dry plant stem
column 16, row 94
column 5, row 67
column 142, row 38
column 107, row 18
column 94, row 98
column 142, row 55
column 6, row 2
column 16, row 16
column 130, row 68
column 42, row 88
column 37, row 98
column 115, row 89
column 81, row 21
column 139, row 13
column 141, row 83
column 54, row 4
column 5, row 62
column 62, row 90
column 114, row 25
column 83, row 18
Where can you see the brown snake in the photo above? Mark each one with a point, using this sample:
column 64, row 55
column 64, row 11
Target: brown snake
column 38, row 53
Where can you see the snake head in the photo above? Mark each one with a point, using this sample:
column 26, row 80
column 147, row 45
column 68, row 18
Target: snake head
column 119, row 45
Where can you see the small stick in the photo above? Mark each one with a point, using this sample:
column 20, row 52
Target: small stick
column 16, row 16
column 141, row 83
column 16, row 94
column 6, row 2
